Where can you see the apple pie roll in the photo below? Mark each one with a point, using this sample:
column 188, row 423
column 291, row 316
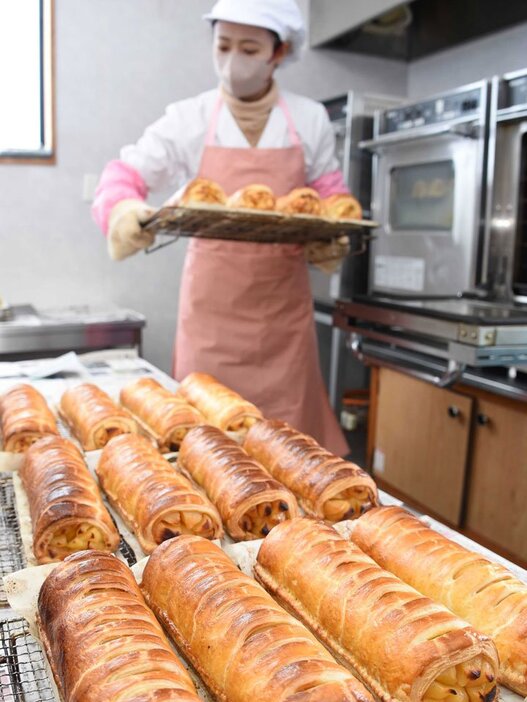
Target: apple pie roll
column 244, row 646
column 220, row 405
column 93, row 416
column 342, row 206
column 301, row 201
column 101, row 640
column 24, row 418
column 253, row 197
column 249, row 500
column 155, row 501
column 167, row 416
column 483, row 593
column 326, row 486
column 202, row 190
column 67, row 511
column 402, row 645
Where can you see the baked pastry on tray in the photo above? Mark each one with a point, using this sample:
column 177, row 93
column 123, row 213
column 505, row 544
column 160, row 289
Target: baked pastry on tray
column 202, row 190
column 342, row 206
column 483, row 593
column 67, row 511
column 326, row 486
column 249, row 500
column 154, row 500
column 244, row 646
column 253, row 197
column 93, row 416
column 402, row 645
column 24, row 418
column 221, row 406
column 167, row 415
column 301, row 201
column 101, row 640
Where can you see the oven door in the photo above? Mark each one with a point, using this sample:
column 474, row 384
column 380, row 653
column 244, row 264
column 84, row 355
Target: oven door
column 427, row 198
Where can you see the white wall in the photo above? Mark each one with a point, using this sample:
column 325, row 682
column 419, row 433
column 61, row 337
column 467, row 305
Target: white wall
column 483, row 58
column 118, row 63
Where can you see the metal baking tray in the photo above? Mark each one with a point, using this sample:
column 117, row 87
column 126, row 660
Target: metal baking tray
column 217, row 222
column 23, row 670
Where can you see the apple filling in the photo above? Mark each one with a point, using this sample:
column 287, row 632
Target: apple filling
column 348, row 504
column 242, row 424
column 104, row 434
column 184, row 522
column 75, row 537
column 470, row 681
column 261, row 519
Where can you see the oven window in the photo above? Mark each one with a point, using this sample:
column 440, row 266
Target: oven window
column 422, row 197
column 520, row 253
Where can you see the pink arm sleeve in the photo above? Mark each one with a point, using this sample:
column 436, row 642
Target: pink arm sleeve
column 119, row 181
column 330, row 184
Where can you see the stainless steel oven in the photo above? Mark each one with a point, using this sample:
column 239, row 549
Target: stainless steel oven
column 429, row 195
column 509, row 188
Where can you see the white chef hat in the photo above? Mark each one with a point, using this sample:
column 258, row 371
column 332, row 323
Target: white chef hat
column 280, row 16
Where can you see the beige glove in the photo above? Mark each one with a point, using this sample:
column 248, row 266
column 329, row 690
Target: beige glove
column 125, row 235
column 327, row 255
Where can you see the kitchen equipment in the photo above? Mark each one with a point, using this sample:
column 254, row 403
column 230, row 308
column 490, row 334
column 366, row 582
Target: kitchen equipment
column 429, row 195
column 508, row 211
column 351, row 115
column 29, row 333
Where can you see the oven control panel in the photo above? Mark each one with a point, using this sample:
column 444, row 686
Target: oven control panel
column 459, row 105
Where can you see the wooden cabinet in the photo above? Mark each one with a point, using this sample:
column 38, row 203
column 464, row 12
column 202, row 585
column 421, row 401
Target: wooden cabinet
column 459, row 454
column 421, row 442
column 497, row 489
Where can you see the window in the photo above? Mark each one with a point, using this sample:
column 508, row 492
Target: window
column 26, row 114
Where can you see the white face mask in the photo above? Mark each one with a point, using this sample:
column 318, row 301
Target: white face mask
column 243, row 76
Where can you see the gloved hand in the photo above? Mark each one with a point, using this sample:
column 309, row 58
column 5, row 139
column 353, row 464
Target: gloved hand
column 125, row 235
column 327, row 255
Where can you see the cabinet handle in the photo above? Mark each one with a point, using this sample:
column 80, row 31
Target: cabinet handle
column 453, row 411
column 482, row 419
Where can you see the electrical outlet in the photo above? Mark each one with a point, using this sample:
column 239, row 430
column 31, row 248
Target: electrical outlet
column 89, row 185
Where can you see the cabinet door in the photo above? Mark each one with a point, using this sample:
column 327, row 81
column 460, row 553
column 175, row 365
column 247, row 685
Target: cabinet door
column 421, row 442
column 497, row 498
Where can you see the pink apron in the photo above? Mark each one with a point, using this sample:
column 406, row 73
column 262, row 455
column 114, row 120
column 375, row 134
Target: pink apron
column 246, row 311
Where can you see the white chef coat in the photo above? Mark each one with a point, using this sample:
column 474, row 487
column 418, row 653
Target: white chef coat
column 168, row 155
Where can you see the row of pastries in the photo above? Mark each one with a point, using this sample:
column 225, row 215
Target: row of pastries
column 305, row 201
column 402, row 613
column 321, row 621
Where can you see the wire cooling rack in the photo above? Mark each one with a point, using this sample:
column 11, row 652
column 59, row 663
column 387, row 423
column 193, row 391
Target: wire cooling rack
column 23, row 672
column 11, row 549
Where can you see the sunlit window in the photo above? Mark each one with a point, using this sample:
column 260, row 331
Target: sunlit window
column 26, row 114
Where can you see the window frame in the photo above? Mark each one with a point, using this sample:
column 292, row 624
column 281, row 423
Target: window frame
column 47, row 154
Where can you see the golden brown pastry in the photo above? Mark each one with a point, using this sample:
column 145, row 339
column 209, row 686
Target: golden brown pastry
column 67, row 511
column 249, row 500
column 167, row 416
column 253, row 197
column 154, row 500
column 201, row 190
column 301, row 201
column 402, row 645
column 102, row 641
column 244, row 646
column 342, row 206
column 24, row 418
column 483, row 593
column 221, row 406
column 93, row 416
column 327, row 487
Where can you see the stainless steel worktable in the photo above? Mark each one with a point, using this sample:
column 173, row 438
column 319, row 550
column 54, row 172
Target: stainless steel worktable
column 30, row 333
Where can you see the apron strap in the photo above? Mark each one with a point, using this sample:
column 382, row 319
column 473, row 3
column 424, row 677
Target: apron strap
column 211, row 132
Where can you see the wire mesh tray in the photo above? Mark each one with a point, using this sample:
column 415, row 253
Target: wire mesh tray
column 11, row 548
column 216, row 222
column 23, row 670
